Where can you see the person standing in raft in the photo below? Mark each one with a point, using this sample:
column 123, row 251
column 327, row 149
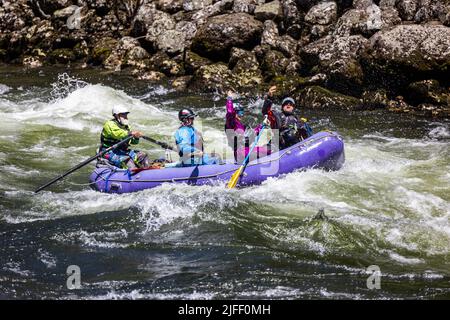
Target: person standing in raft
column 238, row 135
column 189, row 142
column 114, row 131
column 292, row 129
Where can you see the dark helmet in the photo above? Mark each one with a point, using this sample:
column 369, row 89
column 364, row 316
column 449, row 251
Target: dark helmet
column 184, row 114
column 288, row 100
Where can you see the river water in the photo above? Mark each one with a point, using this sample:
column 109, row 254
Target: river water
column 389, row 206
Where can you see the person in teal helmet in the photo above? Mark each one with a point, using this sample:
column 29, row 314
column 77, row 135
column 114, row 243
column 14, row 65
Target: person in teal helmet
column 189, row 141
column 115, row 130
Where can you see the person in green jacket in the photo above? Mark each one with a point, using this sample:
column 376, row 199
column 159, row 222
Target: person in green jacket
column 115, row 130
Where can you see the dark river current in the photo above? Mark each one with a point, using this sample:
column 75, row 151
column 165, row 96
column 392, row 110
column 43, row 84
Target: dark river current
column 387, row 209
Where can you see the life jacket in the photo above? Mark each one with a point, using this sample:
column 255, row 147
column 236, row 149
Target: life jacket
column 106, row 140
column 196, row 139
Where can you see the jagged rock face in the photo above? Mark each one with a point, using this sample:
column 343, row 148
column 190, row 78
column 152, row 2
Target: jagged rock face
column 220, row 33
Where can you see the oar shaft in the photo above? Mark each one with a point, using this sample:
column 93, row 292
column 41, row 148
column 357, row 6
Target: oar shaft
column 159, row 143
column 83, row 163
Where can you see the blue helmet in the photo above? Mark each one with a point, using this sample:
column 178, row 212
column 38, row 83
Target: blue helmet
column 239, row 108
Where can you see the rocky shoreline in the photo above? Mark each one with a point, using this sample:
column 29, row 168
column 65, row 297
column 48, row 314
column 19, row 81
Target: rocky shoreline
column 360, row 54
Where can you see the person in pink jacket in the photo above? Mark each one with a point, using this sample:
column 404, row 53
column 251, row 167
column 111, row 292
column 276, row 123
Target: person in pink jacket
column 240, row 138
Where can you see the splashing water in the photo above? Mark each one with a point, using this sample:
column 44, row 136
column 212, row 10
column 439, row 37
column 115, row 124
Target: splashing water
column 388, row 206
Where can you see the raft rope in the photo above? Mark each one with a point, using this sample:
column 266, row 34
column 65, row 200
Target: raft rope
column 303, row 143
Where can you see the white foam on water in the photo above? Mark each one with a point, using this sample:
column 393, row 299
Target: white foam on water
column 100, row 239
column 404, row 260
column 46, row 258
column 139, row 295
column 440, row 132
column 4, row 88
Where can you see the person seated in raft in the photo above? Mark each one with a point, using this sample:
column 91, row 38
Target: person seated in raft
column 239, row 136
column 291, row 129
column 114, row 131
column 189, row 142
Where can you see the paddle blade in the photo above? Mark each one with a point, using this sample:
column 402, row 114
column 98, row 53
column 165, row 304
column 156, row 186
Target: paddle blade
column 235, row 178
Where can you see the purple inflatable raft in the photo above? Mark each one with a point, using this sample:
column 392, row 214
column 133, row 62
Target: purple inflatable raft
column 323, row 150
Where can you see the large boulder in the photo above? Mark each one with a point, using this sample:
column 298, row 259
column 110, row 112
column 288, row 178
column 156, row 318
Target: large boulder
column 191, row 5
column 421, row 48
column 127, row 52
column 407, row 9
column 245, row 68
column 316, row 97
column 171, row 41
column 428, row 91
column 220, row 33
column 366, row 21
column 324, row 13
column 271, row 37
column 169, row 6
column 338, row 57
column 246, row 6
column 269, row 11
column 433, row 10
column 212, row 77
column 212, row 10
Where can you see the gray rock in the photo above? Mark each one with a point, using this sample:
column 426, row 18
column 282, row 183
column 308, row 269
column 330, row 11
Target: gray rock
column 362, row 4
column 338, row 57
column 170, row 6
column 407, row 9
column 126, row 52
column 161, row 23
column 189, row 29
column 220, row 33
column 322, row 13
column 367, row 21
column 387, row 3
column 193, row 62
column 66, row 12
column 171, row 41
column 316, row 97
column 269, row 11
column 191, row 5
column 271, row 38
column 246, row 6
column 419, row 47
column 211, row 10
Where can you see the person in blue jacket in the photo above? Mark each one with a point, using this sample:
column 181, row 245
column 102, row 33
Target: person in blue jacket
column 189, row 141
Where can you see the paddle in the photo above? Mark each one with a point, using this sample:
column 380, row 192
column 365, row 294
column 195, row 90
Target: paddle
column 84, row 163
column 159, row 143
column 235, row 177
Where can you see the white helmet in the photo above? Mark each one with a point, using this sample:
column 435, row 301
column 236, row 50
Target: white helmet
column 118, row 109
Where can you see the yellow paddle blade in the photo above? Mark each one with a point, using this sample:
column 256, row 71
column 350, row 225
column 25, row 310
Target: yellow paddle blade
column 235, row 178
